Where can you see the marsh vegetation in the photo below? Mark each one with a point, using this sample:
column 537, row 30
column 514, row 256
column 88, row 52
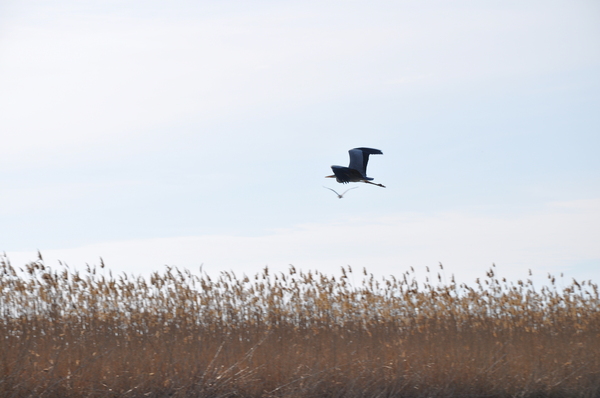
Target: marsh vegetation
column 296, row 334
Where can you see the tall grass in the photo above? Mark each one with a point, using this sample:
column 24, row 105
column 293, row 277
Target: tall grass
column 296, row 334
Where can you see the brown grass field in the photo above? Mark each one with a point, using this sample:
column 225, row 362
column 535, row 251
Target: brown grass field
column 176, row 334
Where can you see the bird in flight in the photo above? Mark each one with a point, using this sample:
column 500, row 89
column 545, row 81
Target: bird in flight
column 357, row 170
column 338, row 194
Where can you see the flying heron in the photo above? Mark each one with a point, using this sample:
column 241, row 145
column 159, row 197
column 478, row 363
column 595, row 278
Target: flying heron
column 357, row 170
column 338, row 194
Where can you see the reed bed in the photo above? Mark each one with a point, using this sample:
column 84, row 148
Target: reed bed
column 297, row 334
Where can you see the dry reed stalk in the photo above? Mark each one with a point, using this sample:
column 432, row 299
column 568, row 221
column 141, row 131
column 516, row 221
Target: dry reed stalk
column 66, row 334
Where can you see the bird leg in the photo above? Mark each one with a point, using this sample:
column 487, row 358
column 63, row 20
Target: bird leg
column 372, row 183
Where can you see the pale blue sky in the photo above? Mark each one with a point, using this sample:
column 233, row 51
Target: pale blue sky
column 182, row 133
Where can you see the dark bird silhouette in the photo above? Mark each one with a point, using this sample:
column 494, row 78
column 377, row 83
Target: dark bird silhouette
column 338, row 194
column 357, row 170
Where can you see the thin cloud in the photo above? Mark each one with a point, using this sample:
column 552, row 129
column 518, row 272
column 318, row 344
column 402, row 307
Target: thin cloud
column 549, row 240
column 96, row 79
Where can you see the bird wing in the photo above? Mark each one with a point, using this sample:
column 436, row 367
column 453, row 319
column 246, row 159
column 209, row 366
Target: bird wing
column 348, row 190
column 345, row 174
column 359, row 157
column 332, row 190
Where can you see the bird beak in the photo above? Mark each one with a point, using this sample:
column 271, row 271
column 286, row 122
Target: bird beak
column 332, row 176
